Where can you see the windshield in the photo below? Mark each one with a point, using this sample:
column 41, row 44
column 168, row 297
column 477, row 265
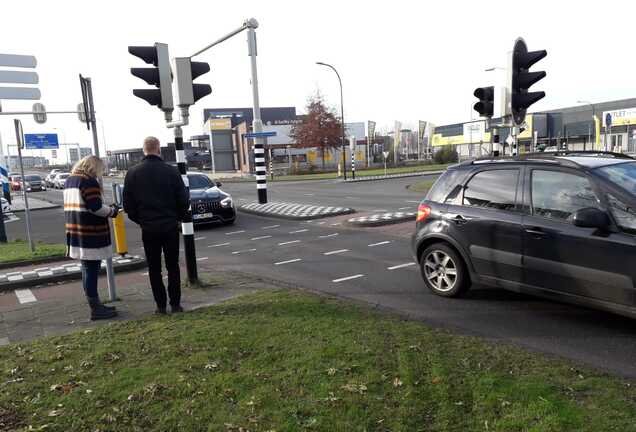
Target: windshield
column 624, row 175
column 199, row 182
column 33, row 178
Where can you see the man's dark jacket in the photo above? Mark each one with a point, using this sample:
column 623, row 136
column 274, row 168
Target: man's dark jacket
column 155, row 196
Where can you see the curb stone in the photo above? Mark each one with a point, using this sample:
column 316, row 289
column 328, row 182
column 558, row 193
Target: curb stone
column 293, row 211
column 381, row 219
column 391, row 176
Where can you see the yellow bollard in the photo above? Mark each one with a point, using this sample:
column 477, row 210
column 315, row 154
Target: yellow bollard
column 119, row 227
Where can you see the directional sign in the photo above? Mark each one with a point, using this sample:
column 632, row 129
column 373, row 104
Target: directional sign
column 41, row 141
column 23, row 93
column 18, row 61
column 260, row 134
column 18, row 77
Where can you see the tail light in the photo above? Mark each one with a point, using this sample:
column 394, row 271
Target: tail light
column 422, row 212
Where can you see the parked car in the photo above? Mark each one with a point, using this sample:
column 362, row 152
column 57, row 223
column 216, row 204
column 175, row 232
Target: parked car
column 33, row 183
column 561, row 226
column 48, row 180
column 6, row 207
column 209, row 203
column 60, row 178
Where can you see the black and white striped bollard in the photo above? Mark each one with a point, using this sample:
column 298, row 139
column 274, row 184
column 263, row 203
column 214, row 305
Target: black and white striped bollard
column 352, row 148
column 271, row 165
column 187, row 227
column 261, row 170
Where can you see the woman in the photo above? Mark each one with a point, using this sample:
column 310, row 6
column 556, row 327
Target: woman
column 87, row 228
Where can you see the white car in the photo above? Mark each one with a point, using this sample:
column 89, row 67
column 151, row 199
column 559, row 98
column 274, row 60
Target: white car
column 60, row 179
column 48, row 180
column 6, row 207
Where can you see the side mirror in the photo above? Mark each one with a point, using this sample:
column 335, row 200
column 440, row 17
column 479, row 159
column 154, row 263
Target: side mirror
column 591, row 217
column 218, row 184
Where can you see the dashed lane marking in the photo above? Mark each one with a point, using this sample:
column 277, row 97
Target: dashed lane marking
column 202, row 259
column 288, row 242
column 379, row 244
column 336, row 252
column 261, row 237
column 404, row 208
column 395, row 267
column 242, row 251
column 288, row 261
column 328, row 235
column 219, row 245
column 25, row 296
column 271, row 226
column 379, row 210
column 346, row 278
column 411, row 201
column 309, row 194
column 299, row 231
column 235, row 232
column 199, row 238
column 336, row 224
column 320, row 223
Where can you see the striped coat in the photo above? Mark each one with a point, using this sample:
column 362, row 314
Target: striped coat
column 87, row 228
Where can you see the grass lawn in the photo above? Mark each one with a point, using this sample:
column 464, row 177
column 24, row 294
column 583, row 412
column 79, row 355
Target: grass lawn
column 362, row 172
column 20, row 251
column 421, row 187
column 289, row 361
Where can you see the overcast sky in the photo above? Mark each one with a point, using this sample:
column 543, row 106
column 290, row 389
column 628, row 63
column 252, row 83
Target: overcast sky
column 399, row 60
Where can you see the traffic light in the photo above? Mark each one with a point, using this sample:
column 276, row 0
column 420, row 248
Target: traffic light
column 187, row 71
column 160, row 76
column 486, row 96
column 521, row 79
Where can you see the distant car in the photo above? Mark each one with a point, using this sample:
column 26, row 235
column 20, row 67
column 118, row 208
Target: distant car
column 6, row 207
column 33, row 183
column 16, row 182
column 48, row 180
column 60, row 179
column 209, row 203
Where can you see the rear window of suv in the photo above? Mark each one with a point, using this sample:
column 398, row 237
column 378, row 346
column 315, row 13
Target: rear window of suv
column 444, row 185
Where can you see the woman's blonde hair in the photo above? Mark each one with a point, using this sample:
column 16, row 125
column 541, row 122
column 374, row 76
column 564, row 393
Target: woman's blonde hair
column 91, row 166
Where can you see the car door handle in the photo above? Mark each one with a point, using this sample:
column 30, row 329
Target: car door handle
column 459, row 219
column 536, row 232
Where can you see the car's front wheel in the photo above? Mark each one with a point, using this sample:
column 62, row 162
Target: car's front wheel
column 444, row 271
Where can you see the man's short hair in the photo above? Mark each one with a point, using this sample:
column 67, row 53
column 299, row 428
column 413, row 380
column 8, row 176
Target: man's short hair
column 152, row 145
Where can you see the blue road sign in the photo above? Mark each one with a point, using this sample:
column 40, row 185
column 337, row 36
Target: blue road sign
column 41, row 141
column 260, row 134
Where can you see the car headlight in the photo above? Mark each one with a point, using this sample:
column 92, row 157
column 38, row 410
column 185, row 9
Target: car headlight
column 226, row 202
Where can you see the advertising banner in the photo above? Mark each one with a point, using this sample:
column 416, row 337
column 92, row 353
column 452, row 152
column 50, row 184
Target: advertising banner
column 220, row 124
column 371, row 130
column 621, row 117
column 421, row 130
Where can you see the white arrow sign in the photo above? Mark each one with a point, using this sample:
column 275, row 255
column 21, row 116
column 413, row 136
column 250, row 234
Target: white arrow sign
column 15, row 60
column 18, row 77
column 24, row 93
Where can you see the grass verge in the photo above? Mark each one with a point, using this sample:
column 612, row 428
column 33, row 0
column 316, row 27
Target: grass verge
column 289, row 361
column 421, row 187
column 364, row 172
column 19, row 251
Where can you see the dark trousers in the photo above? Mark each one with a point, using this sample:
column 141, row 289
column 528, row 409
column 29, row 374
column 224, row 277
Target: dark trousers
column 154, row 244
column 90, row 273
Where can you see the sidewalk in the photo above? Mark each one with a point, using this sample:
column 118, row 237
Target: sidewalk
column 17, row 203
column 59, row 309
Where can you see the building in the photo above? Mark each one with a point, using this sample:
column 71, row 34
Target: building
column 27, row 162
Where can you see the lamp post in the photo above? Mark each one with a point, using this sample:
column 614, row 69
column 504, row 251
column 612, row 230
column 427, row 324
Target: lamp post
column 344, row 159
column 589, row 129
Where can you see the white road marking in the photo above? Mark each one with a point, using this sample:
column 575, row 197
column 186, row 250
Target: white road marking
column 328, row 235
column 235, row 232
column 288, row 261
column 320, row 223
column 379, row 210
column 199, row 238
column 411, row 201
column 309, row 194
column 288, row 242
column 299, row 231
column 144, row 274
column 219, row 245
column 241, row 251
column 336, row 252
column 350, row 197
column 202, row 259
column 261, row 237
column 336, row 224
column 380, row 243
column 400, row 266
column 347, row 278
column 404, row 208
column 271, row 226
column 25, row 296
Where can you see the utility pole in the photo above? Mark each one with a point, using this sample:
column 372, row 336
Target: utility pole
column 19, row 137
column 257, row 123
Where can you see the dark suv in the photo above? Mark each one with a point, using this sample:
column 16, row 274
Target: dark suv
column 561, row 226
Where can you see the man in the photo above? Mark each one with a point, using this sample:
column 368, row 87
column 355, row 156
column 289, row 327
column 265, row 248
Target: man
column 156, row 198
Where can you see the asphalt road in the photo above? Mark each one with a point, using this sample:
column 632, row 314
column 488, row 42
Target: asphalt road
column 374, row 265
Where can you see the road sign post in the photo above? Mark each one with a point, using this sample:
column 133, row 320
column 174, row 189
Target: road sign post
column 352, row 150
column 19, row 138
column 386, row 155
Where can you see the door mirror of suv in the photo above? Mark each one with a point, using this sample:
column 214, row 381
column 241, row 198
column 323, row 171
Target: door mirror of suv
column 591, row 217
column 218, row 184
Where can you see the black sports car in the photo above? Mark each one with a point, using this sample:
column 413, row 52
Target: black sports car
column 209, row 203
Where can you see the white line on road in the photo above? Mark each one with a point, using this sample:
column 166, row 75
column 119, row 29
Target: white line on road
column 347, row 278
column 320, row 223
column 241, row 251
column 235, row 232
column 380, row 243
column 25, row 296
column 336, row 224
column 308, row 194
column 299, row 231
column 288, row 242
column 219, row 245
column 271, row 226
column 379, row 210
column 411, row 201
column 288, row 261
column 400, row 266
column 350, row 197
column 202, row 259
column 261, row 237
column 144, row 274
column 328, row 235
column 336, row 252
column 199, row 238
column 405, row 208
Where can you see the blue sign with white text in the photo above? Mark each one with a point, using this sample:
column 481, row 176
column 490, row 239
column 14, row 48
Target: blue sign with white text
column 41, row 141
column 260, row 134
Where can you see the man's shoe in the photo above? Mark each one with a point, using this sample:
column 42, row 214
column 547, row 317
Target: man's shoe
column 161, row 311
column 176, row 309
column 99, row 312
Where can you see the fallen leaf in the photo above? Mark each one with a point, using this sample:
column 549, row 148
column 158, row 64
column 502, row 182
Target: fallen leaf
column 397, row 382
column 56, row 413
column 331, row 371
column 436, row 380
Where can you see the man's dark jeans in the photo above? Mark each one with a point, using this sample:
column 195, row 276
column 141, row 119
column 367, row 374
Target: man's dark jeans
column 154, row 244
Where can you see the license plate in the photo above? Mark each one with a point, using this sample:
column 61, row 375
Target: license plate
column 202, row 216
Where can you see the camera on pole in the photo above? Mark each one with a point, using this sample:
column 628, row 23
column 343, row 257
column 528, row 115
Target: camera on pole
column 187, row 71
column 486, row 104
column 521, row 79
column 159, row 76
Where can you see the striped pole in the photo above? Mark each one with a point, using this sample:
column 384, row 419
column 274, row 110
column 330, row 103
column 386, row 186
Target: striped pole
column 257, row 124
column 187, row 227
column 261, row 170
column 271, row 165
column 352, row 148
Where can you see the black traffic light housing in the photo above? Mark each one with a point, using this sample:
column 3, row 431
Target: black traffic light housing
column 159, row 76
column 522, row 79
column 486, row 104
column 186, row 72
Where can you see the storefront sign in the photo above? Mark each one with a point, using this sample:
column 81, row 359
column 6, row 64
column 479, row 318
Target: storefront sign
column 220, row 124
column 621, row 117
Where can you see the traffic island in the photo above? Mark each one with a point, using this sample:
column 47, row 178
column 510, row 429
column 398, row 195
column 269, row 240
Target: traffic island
column 379, row 219
column 293, row 211
column 63, row 272
column 391, row 176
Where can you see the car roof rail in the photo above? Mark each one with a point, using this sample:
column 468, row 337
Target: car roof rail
column 599, row 153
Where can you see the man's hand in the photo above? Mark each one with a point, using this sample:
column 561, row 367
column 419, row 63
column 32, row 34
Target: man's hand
column 115, row 209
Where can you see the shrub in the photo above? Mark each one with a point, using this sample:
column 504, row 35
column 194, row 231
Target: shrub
column 445, row 155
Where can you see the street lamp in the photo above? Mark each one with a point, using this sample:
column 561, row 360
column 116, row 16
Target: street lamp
column 344, row 159
column 589, row 129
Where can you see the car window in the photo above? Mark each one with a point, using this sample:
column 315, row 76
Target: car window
column 558, row 195
column 493, row 189
column 33, row 178
column 624, row 175
column 444, row 184
column 199, row 182
column 625, row 215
